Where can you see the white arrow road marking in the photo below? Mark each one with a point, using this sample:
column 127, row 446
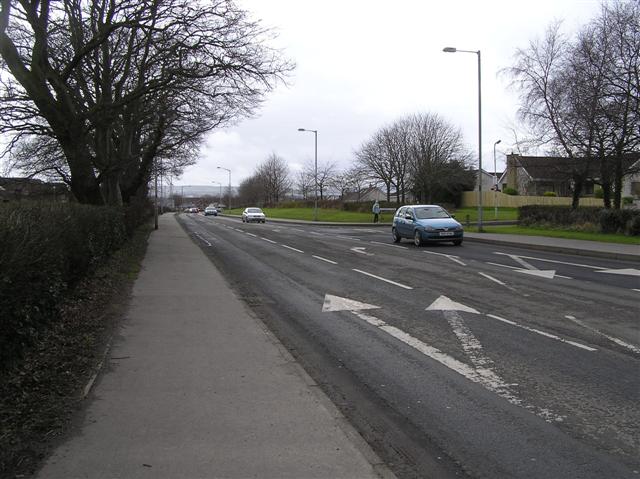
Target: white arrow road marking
column 470, row 345
column 361, row 250
column 542, row 333
column 453, row 258
column 622, row 343
column 445, row 304
column 200, row 237
column 480, row 375
column 383, row 279
column 627, row 271
column 548, row 273
column 337, row 303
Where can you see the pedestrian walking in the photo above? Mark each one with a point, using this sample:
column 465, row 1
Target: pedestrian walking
column 376, row 211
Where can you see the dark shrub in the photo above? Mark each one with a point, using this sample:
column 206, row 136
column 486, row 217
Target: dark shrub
column 45, row 249
column 549, row 193
column 510, row 191
column 620, row 221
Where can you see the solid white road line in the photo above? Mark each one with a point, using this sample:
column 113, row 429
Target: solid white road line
column 208, row 244
column 291, row 248
column 618, row 341
column 383, row 279
column 268, row 240
column 542, row 333
column 492, row 278
column 324, row 259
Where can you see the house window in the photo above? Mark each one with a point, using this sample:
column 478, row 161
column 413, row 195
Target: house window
column 635, row 188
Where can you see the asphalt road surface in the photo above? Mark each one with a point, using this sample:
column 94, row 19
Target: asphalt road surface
column 473, row 361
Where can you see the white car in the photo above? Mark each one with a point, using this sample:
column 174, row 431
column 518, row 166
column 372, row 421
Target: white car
column 253, row 214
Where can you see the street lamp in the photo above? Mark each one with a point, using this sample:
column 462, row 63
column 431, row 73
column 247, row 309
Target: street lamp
column 229, row 171
column 495, row 180
column 454, row 50
column 220, row 196
column 315, row 205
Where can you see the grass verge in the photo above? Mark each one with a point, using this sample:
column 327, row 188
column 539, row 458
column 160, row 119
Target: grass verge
column 41, row 391
column 553, row 233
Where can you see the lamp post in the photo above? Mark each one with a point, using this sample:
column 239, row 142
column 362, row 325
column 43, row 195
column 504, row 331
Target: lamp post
column 228, row 171
column 315, row 174
column 495, row 181
column 477, row 52
column 219, row 196
column 155, row 202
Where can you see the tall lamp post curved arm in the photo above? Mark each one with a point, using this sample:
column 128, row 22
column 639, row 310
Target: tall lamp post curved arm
column 477, row 52
column 315, row 174
column 220, row 195
column 228, row 171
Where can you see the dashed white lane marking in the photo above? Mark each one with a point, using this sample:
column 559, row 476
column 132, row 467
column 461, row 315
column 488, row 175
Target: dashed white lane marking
column 268, row 240
column 634, row 289
column 292, row 248
column 387, row 244
column 453, row 258
column 482, row 375
column 383, row 279
column 624, row 344
column 251, row 234
column 239, row 230
column 542, row 333
column 348, row 238
column 317, row 234
column 492, row 278
column 324, row 259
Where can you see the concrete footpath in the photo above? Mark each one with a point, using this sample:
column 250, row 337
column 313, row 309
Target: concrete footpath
column 195, row 387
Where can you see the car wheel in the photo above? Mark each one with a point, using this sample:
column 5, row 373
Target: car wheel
column 264, row 221
column 417, row 238
column 395, row 235
column 457, row 242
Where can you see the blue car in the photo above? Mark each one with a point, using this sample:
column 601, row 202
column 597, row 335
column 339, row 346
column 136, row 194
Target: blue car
column 426, row 224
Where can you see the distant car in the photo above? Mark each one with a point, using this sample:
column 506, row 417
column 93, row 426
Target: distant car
column 193, row 210
column 210, row 210
column 250, row 215
column 425, row 224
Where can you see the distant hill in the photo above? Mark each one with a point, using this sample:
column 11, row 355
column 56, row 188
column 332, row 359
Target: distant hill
column 197, row 191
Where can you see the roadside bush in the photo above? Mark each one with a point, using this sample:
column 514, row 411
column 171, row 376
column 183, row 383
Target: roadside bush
column 598, row 193
column 46, row 250
column 627, row 200
column 549, row 193
column 620, row 221
column 626, row 221
column 510, row 191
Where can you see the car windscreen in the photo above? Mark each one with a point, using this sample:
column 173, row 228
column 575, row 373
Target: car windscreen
column 254, row 210
column 430, row 213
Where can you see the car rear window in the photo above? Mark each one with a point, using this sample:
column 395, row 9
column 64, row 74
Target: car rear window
column 254, row 210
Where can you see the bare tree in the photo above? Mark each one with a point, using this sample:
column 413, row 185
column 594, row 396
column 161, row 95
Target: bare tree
column 580, row 97
column 121, row 84
column 324, row 176
column 373, row 158
column 273, row 175
column 305, row 183
column 342, row 181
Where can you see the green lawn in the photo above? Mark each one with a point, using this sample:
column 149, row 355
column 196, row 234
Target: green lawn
column 579, row 235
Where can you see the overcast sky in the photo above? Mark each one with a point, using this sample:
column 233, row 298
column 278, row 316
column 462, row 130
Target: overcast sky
column 361, row 64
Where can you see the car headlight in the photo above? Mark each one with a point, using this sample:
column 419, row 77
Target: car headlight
column 429, row 228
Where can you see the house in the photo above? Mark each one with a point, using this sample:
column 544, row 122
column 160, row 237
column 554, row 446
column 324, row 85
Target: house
column 372, row 193
column 489, row 179
column 12, row 189
column 536, row 175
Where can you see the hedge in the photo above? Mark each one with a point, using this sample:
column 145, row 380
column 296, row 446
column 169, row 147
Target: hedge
column 46, row 249
column 603, row 220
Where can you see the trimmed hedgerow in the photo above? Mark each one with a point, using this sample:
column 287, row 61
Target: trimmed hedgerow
column 46, row 249
column 625, row 221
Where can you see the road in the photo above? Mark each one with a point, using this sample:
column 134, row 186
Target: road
column 473, row 361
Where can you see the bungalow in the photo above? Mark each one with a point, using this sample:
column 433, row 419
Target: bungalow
column 536, row 175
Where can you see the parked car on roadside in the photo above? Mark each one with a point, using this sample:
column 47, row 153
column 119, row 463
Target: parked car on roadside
column 250, row 215
column 210, row 210
column 426, row 224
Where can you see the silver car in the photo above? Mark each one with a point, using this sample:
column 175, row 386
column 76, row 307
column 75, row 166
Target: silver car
column 250, row 215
